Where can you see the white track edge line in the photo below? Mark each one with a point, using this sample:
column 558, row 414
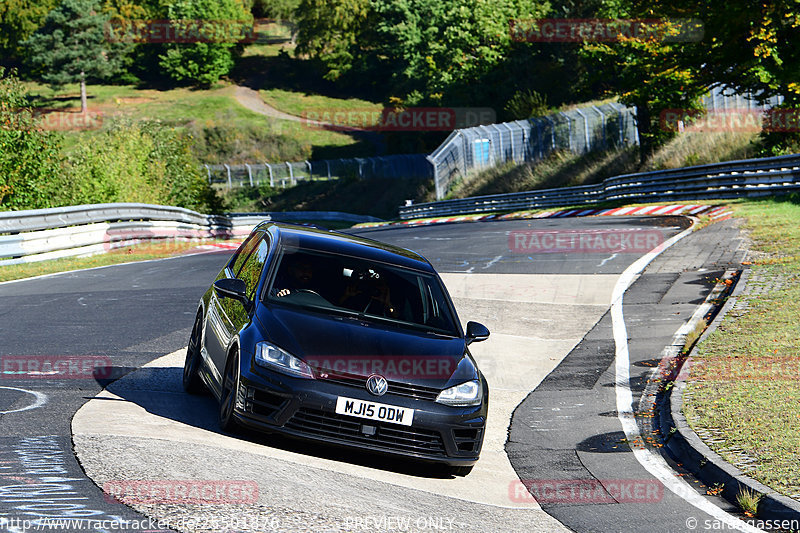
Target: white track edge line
column 652, row 462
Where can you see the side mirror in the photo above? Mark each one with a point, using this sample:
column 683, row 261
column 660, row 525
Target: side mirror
column 233, row 288
column 476, row 332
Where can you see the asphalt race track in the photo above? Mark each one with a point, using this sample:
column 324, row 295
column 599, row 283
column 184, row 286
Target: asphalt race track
column 546, row 303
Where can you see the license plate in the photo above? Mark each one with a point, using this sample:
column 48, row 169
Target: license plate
column 374, row 411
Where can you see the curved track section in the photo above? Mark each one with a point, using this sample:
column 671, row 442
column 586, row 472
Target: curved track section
column 539, row 308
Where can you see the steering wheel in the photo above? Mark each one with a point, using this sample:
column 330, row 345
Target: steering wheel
column 310, row 291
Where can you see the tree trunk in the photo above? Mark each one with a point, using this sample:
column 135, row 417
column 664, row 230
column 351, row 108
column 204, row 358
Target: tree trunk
column 83, row 94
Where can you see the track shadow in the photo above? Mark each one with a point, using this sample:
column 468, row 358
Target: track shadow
column 158, row 390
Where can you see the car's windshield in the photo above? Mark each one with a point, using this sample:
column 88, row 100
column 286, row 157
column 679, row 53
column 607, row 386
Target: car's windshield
column 351, row 285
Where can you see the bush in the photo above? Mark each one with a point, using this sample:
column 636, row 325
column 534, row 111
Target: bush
column 526, row 104
column 223, row 143
column 29, row 157
column 138, row 162
column 205, row 61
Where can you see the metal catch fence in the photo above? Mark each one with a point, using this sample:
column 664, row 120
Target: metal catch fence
column 288, row 174
column 578, row 130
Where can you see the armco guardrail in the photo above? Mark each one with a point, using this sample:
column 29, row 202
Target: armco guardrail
column 42, row 234
column 732, row 179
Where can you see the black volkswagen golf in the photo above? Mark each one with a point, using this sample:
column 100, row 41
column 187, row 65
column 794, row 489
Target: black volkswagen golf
column 322, row 335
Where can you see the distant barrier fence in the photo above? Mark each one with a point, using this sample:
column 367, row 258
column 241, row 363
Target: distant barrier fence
column 289, row 174
column 473, row 149
column 732, row 179
column 578, row 130
column 42, row 234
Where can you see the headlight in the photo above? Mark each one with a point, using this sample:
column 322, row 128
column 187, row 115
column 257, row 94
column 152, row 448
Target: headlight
column 469, row 393
column 272, row 357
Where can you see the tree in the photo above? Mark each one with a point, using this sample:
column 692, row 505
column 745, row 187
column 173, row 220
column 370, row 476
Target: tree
column 438, row 46
column 752, row 47
column 71, row 46
column 330, row 31
column 649, row 71
column 276, row 9
column 18, row 20
column 218, row 25
column 427, row 48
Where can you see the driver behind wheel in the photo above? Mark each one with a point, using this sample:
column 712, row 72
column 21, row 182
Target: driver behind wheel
column 297, row 275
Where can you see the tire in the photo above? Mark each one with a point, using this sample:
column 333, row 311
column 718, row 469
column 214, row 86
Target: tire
column 192, row 383
column 227, row 401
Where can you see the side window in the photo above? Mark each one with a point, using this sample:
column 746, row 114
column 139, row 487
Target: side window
column 250, row 271
column 244, row 251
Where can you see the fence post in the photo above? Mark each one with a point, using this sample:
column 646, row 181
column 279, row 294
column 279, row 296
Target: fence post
column 291, row 173
column 230, row 185
column 208, row 169
column 588, row 146
column 309, row 169
column 271, row 179
column 249, row 173
column 436, row 184
column 603, row 121
column 569, row 129
column 510, row 138
column 552, row 133
column 635, row 128
column 499, row 141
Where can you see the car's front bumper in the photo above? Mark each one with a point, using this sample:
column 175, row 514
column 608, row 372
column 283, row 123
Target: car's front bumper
column 306, row 408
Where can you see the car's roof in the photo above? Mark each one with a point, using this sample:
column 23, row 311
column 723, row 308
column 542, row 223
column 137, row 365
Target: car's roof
column 305, row 237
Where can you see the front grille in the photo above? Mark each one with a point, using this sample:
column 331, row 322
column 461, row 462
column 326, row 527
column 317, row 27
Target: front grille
column 418, row 392
column 392, row 436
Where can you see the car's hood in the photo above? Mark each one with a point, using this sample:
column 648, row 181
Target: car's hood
column 343, row 344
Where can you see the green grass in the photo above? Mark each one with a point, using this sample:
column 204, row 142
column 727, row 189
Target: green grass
column 195, row 110
column 744, row 388
column 139, row 252
column 566, row 169
column 310, row 105
column 559, row 169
